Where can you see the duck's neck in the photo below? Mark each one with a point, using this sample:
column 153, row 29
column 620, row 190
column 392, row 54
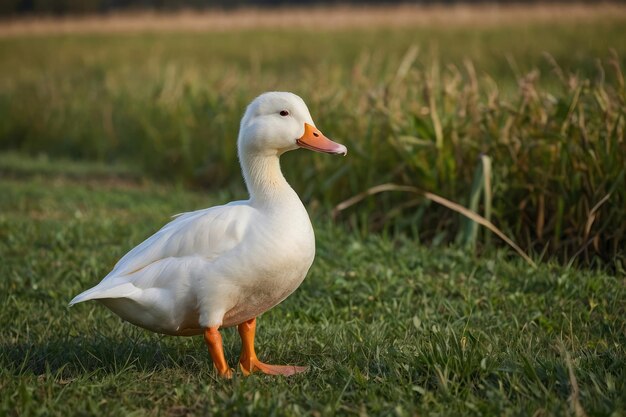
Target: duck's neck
column 265, row 181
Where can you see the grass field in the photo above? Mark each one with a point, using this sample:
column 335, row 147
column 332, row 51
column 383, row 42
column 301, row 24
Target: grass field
column 539, row 91
column 109, row 126
column 388, row 327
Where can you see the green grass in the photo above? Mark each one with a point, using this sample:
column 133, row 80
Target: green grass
column 546, row 102
column 388, row 327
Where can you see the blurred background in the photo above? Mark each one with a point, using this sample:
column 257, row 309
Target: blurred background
column 99, row 6
column 515, row 110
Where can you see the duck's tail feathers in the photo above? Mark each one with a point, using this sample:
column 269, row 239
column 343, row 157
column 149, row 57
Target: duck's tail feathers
column 124, row 290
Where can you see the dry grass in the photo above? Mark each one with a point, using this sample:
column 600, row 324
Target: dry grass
column 327, row 18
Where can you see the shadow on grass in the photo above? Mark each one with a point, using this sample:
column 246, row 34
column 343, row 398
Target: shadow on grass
column 82, row 354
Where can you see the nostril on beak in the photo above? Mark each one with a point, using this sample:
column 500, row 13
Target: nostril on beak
column 317, row 135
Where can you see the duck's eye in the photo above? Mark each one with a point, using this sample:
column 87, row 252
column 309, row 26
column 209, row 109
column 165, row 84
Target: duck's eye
column 284, row 113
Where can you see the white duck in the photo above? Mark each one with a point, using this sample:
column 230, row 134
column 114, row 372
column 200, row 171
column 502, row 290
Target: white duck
column 225, row 265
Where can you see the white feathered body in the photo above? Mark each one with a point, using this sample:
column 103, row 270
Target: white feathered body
column 227, row 264
column 215, row 267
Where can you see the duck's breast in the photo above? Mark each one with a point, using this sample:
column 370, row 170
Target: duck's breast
column 273, row 262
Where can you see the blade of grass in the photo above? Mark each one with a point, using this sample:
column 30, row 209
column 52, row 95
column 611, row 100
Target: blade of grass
column 439, row 200
column 481, row 185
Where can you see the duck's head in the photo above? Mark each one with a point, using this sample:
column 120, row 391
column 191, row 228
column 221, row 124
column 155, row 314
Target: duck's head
column 278, row 122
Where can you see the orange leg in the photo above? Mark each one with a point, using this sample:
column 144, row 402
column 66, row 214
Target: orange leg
column 213, row 340
column 250, row 363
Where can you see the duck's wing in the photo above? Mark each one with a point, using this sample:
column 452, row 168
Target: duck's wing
column 206, row 233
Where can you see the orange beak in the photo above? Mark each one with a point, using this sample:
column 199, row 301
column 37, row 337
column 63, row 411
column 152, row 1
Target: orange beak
column 314, row 139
